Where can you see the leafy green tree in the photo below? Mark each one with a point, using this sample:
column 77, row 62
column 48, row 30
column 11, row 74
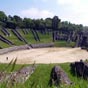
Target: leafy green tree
column 48, row 23
column 3, row 16
column 27, row 22
column 3, row 19
column 40, row 25
column 18, row 21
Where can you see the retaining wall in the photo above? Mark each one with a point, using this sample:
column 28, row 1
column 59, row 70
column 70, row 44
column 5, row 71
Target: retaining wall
column 24, row 47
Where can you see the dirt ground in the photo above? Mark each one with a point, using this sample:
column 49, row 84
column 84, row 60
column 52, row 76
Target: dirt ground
column 45, row 55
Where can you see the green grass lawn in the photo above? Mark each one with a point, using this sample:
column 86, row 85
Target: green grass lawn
column 40, row 78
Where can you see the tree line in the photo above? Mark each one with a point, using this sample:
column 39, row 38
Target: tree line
column 38, row 24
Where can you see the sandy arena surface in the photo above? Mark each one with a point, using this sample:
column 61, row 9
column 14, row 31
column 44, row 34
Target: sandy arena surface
column 45, row 55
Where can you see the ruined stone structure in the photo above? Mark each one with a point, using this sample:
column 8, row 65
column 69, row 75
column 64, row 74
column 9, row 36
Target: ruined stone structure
column 19, row 76
column 80, row 69
column 22, row 75
column 82, row 40
column 58, row 76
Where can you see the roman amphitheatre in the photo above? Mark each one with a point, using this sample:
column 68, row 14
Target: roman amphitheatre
column 63, row 35
column 41, row 50
column 45, row 55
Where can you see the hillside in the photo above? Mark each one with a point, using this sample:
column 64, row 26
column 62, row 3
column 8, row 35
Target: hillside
column 29, row 37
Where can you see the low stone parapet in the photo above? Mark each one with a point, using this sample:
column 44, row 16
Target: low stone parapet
column 25, row 47
column 14, row 48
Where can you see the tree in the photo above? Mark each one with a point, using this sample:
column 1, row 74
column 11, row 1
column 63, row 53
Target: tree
column 27, row 22
column 40, row 25
column 48, row 23
column 18, row 21
column 2, row 24
column 9, row 18
column 10, row 24
column 3, row 16
column 3, row 19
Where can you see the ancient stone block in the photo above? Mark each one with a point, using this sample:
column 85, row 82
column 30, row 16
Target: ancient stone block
column 58, row 76
column 80, row 69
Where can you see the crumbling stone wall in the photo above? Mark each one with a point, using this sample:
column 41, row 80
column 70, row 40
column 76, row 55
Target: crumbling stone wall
column 23, row 47
column 80, row 69
column 82, row 40
column 58, row 76
column 14, row 48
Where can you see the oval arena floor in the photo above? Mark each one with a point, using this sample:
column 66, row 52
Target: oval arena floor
column 45, row 55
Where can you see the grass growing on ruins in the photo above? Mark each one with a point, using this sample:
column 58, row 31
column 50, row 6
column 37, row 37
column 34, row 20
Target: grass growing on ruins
column 14, row 39
column 40, row 78
column 64, row 44
column 4, row 45
column 30, row 39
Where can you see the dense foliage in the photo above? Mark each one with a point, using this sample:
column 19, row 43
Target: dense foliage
column 54, row 23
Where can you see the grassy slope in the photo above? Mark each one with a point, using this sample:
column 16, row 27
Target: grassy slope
column 41, row 76
column 30, row 39
column 12, row 38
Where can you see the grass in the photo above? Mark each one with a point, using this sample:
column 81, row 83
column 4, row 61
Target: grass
column 30, row 39
column 64, row 44
column 40, row 78
column 4, row 45
column 12, row 38
column 43, row 38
